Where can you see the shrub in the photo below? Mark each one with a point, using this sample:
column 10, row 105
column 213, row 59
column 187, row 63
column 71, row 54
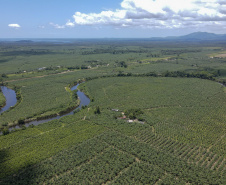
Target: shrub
column 97, row 110
column 5, row 131
column 21, row 121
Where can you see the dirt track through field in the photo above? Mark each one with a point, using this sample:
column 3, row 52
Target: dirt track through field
column 223, row 55
column 39, row 76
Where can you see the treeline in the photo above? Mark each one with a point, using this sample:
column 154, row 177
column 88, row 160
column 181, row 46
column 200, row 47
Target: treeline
column 182, row 74
column 202, row 74
column 112, row 51
column 18, row 93
column 51, row 68
column 153, row 55
column 27, row 52
column 94, row 62
column 179, row 51
column 79, row 67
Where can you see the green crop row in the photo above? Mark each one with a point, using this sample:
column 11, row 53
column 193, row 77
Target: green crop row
column 42, row 97
column 181, row 139
column 169, row 164
column 187, row 110
column 39, row 144
column 59, row 164
column 100, row 170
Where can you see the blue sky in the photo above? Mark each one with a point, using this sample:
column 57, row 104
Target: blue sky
column 109, row 18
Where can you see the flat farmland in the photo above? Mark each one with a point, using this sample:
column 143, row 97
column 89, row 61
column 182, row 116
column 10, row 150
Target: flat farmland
column 156, row 115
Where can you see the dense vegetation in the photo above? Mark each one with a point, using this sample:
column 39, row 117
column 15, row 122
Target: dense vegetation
column 2, row 99
column 189, row 110
column 44, row 95
column 157, row 113
column 27, row 147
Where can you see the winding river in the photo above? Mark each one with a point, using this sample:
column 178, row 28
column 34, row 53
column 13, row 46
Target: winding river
column 10, row 97
column 11, row 101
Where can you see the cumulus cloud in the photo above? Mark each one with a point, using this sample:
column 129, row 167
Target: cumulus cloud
column 14, row 25
column 104, row 18
column 70, row 24
column 156, row 14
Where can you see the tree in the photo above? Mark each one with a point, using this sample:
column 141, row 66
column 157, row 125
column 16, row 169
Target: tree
column 5, row 131
column 4, row 76
column 21, row 121
column 97, row 110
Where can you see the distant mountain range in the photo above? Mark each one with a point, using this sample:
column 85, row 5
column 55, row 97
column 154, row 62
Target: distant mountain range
column 196, row 36
column 24, row 41
column 193, row 37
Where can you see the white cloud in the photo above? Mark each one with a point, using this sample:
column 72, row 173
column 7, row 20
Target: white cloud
column 156, row 14
column 70, row 24
column 105, row 17
column 57, row 26
column 14, row 25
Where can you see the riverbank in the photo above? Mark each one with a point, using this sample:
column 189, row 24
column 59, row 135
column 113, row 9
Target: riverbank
column 2, row 100
column 82, row 100
column 10, row 98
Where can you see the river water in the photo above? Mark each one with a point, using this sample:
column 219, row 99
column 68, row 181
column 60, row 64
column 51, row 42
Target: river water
column 10, row 97
column 11, row 101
